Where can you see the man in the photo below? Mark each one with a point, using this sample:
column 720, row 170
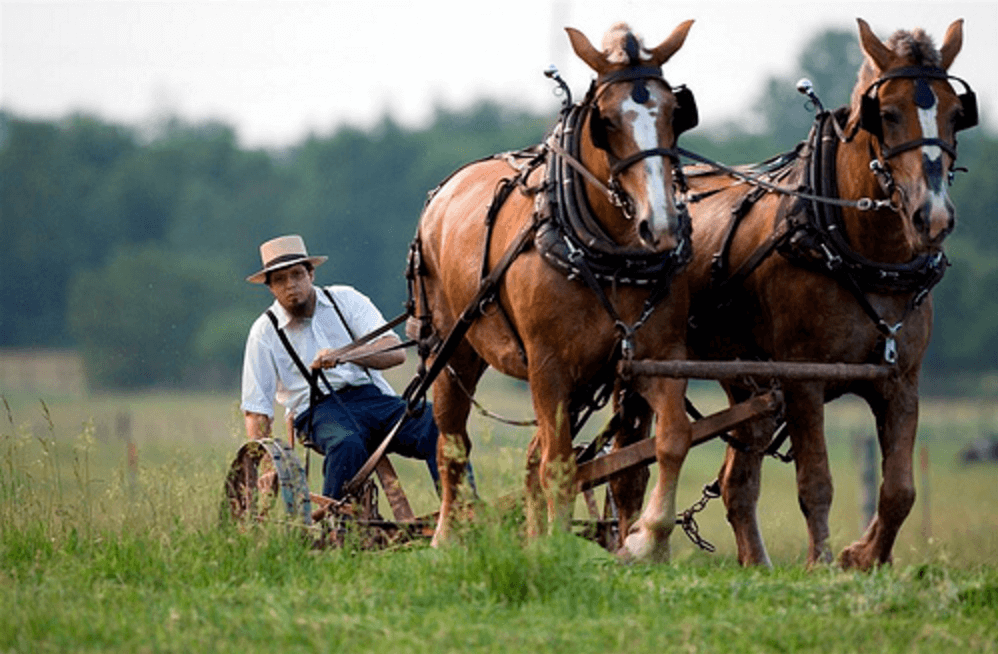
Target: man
column 300, row 333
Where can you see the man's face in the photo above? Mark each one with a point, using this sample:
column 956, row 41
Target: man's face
column 292, row 287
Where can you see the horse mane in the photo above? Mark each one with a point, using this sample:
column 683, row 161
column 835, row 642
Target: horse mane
column 622, row 46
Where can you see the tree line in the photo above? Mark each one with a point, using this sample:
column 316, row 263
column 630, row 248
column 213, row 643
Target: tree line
column 132, row 246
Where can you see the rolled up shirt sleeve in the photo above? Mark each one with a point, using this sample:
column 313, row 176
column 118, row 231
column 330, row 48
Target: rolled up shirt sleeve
column 259, row 383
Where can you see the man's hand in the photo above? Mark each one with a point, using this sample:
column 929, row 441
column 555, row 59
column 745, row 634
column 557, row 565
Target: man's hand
column 378, row 354
column 325, row 358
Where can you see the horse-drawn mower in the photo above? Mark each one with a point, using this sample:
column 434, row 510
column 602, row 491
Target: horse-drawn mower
column 267, row 480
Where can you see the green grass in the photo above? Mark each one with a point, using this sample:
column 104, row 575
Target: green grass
column 226, row 591
column 97, row 554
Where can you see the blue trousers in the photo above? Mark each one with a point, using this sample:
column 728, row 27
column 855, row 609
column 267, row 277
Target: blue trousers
column 348, row 426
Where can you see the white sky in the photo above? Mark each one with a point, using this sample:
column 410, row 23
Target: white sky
column 281, row 69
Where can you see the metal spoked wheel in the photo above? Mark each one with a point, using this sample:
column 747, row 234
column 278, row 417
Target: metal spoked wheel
column 265, row 476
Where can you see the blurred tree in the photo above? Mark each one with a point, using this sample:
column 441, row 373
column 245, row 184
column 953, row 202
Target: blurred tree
column 831, row 60
column 965, row 330
column 975, row 192
column 137, row 318
column 49, row 175
column 136, row 249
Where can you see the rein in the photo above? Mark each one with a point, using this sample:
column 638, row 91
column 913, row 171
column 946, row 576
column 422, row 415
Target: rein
column 863, row 204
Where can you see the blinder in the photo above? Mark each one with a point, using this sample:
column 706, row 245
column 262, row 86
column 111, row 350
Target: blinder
column 871, row 121
column 597, row 128
column 685, row 116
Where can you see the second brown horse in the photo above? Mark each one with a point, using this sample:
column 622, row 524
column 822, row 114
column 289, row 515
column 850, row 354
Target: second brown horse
column 794, row 279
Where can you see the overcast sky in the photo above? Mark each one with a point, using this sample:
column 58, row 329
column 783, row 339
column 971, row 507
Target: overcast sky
column 279, row 70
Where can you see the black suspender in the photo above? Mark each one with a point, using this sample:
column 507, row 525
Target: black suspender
column 310, row 378
column 346, row 325
column 339, row 313
column 297, row 359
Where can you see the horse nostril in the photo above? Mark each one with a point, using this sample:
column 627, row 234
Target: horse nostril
column 644, row 231
column 918, row 219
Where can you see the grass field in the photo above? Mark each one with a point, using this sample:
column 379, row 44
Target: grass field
column 110, row 542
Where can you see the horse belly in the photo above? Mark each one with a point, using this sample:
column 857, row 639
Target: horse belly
column 454, row 235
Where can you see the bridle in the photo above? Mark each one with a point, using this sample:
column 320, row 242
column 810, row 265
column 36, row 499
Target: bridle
column 870, row 119
column 684, row 117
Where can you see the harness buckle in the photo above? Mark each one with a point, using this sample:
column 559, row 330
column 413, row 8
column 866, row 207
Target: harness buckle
column 832, row 260
column 626, row 340
column 620, row 199
column 891, row 346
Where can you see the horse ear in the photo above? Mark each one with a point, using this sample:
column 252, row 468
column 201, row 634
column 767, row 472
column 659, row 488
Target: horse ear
column 668, row 47
column 585, row 50
column 952, row 43
column 878, row 53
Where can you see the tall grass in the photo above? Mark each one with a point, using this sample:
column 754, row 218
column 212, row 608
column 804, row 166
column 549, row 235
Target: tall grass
column 100, row 551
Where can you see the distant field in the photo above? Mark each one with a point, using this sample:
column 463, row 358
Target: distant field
column 48, row 373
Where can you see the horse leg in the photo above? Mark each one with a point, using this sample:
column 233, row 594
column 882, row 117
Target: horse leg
column 897, row 422
column 451, row 407
column 628, row 490
column 533, row 492
column 648, row 539
column 805, row 415
column 740, row 479
column 550, row 460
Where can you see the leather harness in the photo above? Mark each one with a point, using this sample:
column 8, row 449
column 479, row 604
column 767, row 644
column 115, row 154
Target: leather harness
column 810, row 234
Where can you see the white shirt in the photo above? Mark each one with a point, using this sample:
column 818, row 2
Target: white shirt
column 269, row 372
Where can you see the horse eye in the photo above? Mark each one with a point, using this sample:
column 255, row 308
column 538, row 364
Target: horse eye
column 890, row 117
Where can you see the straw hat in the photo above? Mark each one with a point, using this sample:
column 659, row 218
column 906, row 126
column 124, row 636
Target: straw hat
column 282, row 252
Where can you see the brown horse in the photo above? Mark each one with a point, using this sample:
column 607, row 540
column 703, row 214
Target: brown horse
column 569, row 301
column 792, row 278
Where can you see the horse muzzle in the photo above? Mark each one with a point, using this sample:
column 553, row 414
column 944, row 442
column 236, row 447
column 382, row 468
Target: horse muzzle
column 665, row 230
column 935, row 219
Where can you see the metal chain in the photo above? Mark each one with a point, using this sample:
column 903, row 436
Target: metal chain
column 689, row 523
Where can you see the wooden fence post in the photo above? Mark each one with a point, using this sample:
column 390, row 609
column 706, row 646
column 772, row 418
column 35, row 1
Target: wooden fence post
column 123, row 425
column 925, row 495
column 865, row 447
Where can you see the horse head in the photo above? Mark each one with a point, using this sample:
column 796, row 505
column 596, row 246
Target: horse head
column 630, row 133
column 905, row 115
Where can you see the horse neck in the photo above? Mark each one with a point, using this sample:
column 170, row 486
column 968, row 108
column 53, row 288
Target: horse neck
column 881, row 235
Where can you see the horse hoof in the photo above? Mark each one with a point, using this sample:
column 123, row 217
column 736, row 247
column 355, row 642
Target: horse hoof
column 639, row 546
column 624, row 556
column 854, row 558
column 439, row 540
